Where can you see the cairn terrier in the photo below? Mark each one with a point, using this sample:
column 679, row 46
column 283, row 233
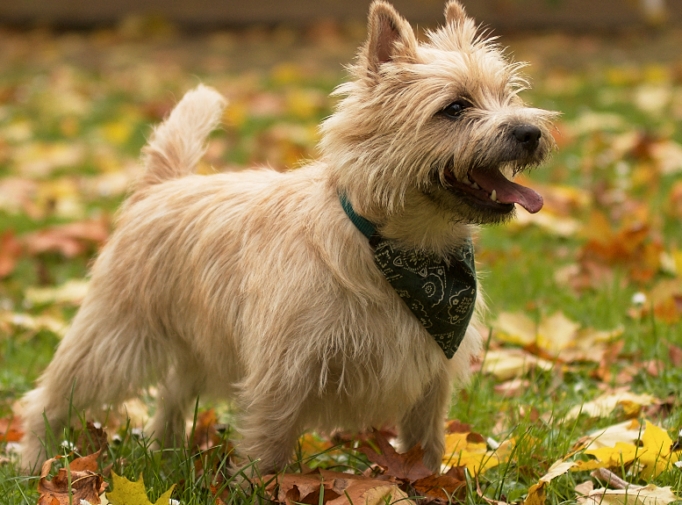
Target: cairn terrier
column 337, row 295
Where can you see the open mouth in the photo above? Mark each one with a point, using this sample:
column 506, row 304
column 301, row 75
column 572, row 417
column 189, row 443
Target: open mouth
column 487, row 187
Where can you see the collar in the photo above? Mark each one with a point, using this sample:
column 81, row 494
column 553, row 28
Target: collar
column 367, row 228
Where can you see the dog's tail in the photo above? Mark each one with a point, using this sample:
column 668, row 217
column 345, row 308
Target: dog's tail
column 178, row 143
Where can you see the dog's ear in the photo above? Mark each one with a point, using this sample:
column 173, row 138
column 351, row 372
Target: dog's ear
column 454, row 13
column 390, row 37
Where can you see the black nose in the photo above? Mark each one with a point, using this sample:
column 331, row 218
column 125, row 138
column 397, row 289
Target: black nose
column 528, row 135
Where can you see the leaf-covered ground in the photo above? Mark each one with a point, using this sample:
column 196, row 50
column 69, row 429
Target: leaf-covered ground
column 579, row 387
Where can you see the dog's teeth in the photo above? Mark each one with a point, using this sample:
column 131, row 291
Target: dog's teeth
column 493, row 196
column 466, row 181
column 475, row 186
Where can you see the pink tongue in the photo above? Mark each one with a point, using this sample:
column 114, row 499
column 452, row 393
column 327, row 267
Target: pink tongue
column 507, row 191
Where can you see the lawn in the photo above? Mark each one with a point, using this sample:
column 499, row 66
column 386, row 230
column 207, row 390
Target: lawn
column 585, row 297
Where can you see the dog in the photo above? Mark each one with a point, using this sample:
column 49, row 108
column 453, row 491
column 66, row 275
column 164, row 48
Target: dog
column 289, row 292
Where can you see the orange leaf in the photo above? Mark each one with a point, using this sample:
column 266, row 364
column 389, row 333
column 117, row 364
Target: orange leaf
column 10, row 250
column 10, row 430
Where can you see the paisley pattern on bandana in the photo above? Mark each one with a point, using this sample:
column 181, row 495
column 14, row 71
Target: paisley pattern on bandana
column 440, row 293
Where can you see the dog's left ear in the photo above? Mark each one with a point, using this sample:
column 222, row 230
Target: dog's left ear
column 390, row 36
column 455, row 13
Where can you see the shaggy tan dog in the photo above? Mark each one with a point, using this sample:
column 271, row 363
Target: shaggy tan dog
column 257, row 286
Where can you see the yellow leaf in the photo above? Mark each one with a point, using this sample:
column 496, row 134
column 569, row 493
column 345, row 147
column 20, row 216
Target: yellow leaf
column 515, row 328
column 454, row 442
column 536, row 495
column 556, row 333
column 610, row 457
column 474, row 455
column 126, row 492
column 656, row 456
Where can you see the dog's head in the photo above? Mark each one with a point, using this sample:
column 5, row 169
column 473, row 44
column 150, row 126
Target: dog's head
column 436, row 125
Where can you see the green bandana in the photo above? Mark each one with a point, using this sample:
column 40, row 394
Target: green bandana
column 441, row 294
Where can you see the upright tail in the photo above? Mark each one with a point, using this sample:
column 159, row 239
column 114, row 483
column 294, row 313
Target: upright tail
column 178, row 143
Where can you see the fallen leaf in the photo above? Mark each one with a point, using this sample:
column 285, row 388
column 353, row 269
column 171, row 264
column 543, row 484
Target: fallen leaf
column 651, row 455
column 79, row 482
column 606, row 403
column 71, row 292
column 408, row 466
column 470, row 450
column 628, row 431
column 10, row 250
column 536, row 493
column 92, row 438
column 633, row 495
column 10, row 429
column 506, row 364
column 126, row 492
column 448, row 487
column 69, row 239
column 331, row 488
column 34, row 323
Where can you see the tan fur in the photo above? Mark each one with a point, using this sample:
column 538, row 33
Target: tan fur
column 256, row 286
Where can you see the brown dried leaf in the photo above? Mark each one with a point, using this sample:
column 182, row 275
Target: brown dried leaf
column 336, row 488
column 92, row 439
column 407, row 466
column 79, row 482
column 441, row 488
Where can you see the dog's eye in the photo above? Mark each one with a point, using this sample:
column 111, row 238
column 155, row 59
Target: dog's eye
column 455, row 109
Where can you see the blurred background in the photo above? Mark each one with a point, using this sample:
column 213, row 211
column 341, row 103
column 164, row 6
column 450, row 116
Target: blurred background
column 503, row 14
column 82, row 82
column 592, row 283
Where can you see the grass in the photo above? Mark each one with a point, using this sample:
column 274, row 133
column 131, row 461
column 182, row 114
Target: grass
column 103, row 90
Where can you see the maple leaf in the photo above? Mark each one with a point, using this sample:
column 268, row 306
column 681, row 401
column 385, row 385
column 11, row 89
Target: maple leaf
column 408, row 466
column 445, row 488
column 80, row 482
column 331, row 488
column 126, row 492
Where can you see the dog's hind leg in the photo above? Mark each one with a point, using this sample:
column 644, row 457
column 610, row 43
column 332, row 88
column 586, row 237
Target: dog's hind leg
column 424, row 423
column 181, row 386
column 105, row 357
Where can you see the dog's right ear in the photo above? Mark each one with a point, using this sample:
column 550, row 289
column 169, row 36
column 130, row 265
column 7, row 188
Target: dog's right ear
column 390, row 37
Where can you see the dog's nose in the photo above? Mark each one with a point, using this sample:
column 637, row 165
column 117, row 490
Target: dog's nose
column 528, row 135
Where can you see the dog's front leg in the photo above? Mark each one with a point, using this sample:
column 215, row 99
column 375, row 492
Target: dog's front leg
column 271, row 425
column 424, row 422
